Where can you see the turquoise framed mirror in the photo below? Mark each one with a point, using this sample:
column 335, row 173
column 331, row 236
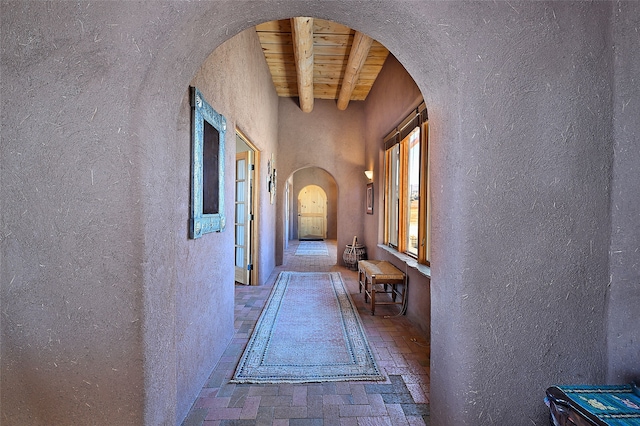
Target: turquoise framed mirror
column 208, row 130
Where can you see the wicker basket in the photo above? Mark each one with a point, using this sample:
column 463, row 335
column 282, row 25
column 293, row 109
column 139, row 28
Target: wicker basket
column 352, row 254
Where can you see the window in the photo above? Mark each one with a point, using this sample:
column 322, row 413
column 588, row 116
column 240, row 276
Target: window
column 406, row 207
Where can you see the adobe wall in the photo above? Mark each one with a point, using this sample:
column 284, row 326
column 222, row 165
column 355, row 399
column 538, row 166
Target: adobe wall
column 623, row 343
column 521, row 209
column 520, row 98
column 74, row 222
column 236, row 82
column 125, row 317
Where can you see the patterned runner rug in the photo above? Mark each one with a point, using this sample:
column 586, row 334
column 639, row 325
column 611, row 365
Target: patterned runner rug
column 309, row 331
column 312, row 248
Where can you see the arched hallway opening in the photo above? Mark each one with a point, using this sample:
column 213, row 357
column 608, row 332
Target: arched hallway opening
column 312, row 149
column 295, row 185
column 326, row 147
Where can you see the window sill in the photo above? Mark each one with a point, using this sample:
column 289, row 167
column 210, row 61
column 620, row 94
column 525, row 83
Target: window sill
column 408, row 260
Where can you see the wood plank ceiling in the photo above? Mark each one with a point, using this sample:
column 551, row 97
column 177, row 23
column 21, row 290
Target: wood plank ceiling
column 313, row 58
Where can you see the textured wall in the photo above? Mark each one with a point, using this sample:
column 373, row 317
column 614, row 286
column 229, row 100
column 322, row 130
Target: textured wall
column 623, row 305
column 521, row 213
column 72, row 220
column 236, row 82
column 520, row 98
column 94, row 124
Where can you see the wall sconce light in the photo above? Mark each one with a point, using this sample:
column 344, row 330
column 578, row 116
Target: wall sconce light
column 369, row 174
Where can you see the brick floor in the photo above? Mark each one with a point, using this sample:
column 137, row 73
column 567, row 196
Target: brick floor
column 401, row 351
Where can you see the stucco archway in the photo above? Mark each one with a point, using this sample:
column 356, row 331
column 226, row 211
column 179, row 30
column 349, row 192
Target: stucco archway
column 526, row 99
column 361, row 16
column 314, row 176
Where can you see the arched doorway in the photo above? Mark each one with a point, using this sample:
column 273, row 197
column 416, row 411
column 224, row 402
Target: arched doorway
column 299, row 182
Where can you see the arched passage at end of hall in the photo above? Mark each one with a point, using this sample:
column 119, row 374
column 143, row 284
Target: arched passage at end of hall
column 293, row 186
column 324, row 180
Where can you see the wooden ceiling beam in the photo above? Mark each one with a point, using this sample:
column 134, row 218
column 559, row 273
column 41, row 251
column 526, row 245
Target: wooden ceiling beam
column 358, row 55
column 332, row 44
column 302, row 34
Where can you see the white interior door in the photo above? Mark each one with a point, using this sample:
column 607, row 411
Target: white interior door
column 312, row 213
column 243, row 216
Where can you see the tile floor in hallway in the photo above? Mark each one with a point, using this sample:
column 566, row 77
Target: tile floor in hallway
column 401, row 350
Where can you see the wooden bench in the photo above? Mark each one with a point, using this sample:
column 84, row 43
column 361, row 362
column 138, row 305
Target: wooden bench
column 380, row 276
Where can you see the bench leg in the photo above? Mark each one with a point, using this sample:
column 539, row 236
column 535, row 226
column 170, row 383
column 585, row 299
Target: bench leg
column 373, row 296
column 366, row 289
